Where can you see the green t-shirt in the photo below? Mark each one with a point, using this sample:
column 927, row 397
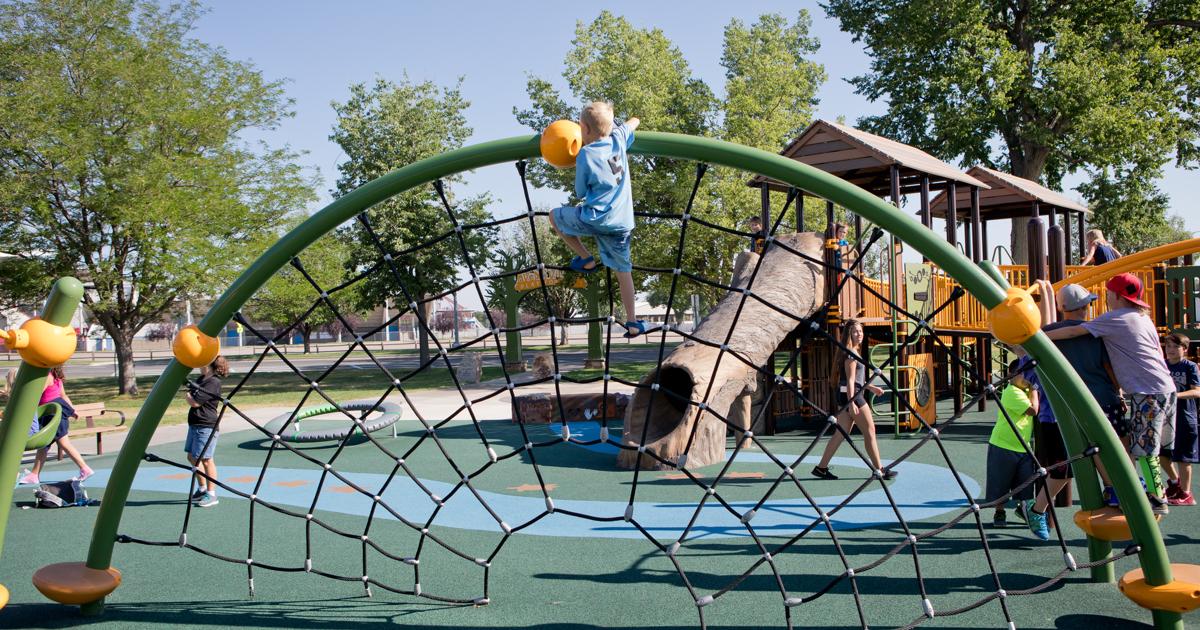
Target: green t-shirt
column 1016, row 402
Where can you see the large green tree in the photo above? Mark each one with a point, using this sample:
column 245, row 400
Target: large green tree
column 770, row 93
column 290, row 300
column 384, row 126
column 121, row 159
column 1039, row 88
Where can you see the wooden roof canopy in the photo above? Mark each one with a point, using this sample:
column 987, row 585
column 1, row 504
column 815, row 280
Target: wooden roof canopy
column 1009, row 196
column 866, row 160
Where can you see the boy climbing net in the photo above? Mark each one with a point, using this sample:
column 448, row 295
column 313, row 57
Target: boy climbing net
column 606, row 211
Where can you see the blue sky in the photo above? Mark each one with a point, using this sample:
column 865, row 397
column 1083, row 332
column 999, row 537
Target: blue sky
column 322, row 47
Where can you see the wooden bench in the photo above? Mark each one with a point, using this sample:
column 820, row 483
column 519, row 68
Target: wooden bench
column 88, row 413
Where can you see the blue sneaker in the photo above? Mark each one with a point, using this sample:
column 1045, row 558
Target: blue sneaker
column 635, row 328
column 1110, row 497
column 579, row 264
column 1037, row 522
column 208, row 500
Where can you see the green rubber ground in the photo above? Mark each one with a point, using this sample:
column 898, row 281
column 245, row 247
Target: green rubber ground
column 551, row 582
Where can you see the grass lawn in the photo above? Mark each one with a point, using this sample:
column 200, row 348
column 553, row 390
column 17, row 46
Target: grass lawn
column 264, row 389
column 631, row 371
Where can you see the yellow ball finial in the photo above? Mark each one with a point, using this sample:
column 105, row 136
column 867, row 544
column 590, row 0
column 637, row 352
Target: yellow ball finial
column 561, row 142
column 41, row 343
column 1015, row 319
column 194, row 348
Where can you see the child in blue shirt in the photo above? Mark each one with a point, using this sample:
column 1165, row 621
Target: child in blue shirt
column 606, row 213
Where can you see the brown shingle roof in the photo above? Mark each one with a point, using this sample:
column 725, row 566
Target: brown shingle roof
column 866, row 159
column 1010, row 196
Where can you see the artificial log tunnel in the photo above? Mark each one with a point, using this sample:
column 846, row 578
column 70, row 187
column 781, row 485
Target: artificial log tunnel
column 665, row 418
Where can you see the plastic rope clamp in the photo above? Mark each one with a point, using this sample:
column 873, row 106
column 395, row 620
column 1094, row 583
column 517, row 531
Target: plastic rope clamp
column 748, row 516
column 183, row 539
column 673, row 549
column 1070, row 561
column 549, row 505
column 628, row 512
column 308, row 565
column 603, row 434
column 491, row 454
column 928, row 606
column 704, row 601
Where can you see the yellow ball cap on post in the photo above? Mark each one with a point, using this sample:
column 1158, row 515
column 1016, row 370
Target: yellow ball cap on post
column 194, row 348
column 561, row 142
column 1015, row 319
column 41, row 343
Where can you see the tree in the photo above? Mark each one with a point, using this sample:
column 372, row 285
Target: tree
column 121, row 159
column 1039, row 89
column 290, row 302
column 1131, row 210
column 385, row 126
column 770, row 95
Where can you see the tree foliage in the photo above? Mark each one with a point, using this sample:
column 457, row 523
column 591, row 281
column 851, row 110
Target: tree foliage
column 120, row 157
column 1038, row 88
column 770, row 95
column 387, row 125
column 290, row 301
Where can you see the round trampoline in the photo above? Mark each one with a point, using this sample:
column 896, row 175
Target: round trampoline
column 388, row 412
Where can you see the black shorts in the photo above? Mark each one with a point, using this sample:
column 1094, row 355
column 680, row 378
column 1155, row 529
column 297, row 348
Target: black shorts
column 843, row 401
column 1116, row 418
column 64, row 425
column 1051, row 450
column 1007, row 470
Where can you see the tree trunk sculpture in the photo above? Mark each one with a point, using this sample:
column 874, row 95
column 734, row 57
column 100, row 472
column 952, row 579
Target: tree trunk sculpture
column 784, row 280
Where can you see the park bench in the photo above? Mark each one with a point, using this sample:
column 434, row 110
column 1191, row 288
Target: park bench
column 88, row 413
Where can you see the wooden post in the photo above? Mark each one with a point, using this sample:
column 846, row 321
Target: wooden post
column 976, row 238
column 1082, row 231
column 952, row 214
column 800, row 226
column 766, row 208
column 1066, row 225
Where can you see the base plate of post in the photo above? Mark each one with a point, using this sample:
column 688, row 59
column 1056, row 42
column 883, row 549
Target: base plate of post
column 74, row 583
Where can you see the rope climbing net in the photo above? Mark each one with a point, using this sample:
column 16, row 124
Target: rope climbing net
column 382, row 555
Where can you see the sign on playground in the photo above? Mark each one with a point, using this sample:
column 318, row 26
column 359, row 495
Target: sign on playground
column 918, row 287
column 530, row 280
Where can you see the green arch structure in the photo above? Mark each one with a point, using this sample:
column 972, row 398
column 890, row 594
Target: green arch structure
column 982, row 282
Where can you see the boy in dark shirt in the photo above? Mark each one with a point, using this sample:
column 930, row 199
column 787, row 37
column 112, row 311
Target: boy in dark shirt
column 204, row 398
column 1187, row 440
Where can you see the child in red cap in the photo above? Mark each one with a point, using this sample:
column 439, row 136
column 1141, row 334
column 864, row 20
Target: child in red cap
column 1133, row 350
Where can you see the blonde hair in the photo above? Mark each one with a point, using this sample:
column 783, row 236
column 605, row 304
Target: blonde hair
column 598, row 115
column 1095, row 235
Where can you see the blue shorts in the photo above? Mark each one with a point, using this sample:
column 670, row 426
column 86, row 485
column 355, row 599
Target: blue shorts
column 614, row 246
column 198, row 444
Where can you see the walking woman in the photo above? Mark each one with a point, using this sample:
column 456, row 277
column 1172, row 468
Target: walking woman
column 56, row 393
column 851, row 377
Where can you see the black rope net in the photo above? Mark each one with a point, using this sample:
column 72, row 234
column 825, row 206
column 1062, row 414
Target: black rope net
column 397, row 563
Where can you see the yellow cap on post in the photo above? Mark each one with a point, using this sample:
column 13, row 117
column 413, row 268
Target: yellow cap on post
column 195, row 349
column 561, row 142
column 41, row 343
column 1016, row 318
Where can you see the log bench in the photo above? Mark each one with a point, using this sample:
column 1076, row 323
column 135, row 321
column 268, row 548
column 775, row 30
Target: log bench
column 544, row 409
column 88, row 413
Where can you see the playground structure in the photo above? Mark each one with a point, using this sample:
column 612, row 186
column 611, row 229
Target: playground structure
column 87, row 583
column 925, row 366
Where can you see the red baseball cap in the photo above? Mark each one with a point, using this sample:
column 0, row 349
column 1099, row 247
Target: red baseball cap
column 1127, row 286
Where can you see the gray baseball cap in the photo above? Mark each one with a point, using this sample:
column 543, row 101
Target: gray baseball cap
column 1074, row 297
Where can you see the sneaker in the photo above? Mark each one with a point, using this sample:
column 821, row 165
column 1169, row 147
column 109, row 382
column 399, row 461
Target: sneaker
column 1000, row 520
column 29, row 479
column 1158, row 505
column 1037, row 524
column 823, row 473
column 890, row 474
column 1110, row 497
column 208, row 500
column 198, row 494
column 84, row 473
column 1183, row 498
column 1174, row 491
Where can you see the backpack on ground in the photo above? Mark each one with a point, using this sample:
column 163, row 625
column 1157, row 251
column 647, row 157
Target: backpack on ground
column 60, row 494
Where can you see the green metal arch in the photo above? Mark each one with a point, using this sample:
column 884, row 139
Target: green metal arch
column 986, row 288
